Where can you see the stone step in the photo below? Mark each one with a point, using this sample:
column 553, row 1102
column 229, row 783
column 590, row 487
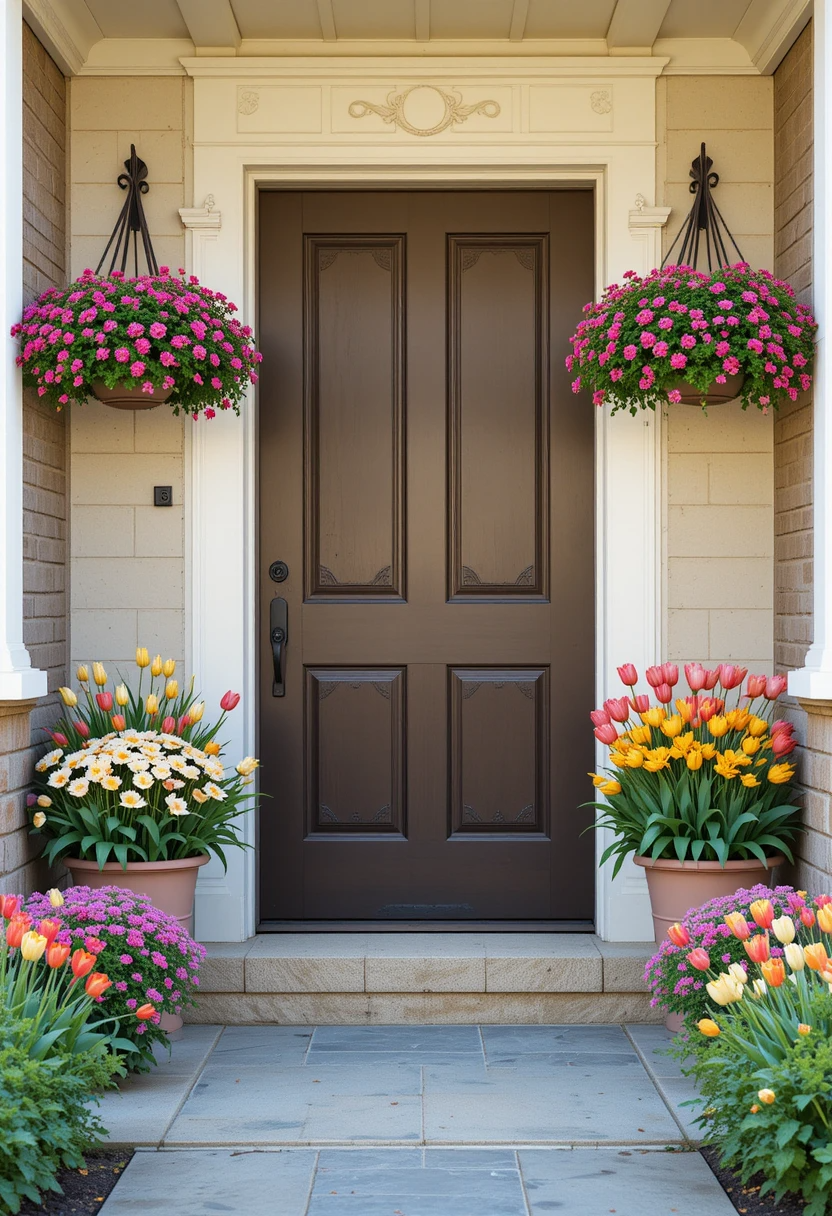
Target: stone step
column 400, row 978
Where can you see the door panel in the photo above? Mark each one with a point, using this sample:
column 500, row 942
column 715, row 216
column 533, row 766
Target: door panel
column 428, row 477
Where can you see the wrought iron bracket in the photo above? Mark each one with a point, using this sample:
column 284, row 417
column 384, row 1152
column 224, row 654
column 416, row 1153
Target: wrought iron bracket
column 131, row 220
column 703, row 217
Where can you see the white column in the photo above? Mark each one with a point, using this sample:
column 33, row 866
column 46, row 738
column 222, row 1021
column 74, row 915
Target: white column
column 813, row 681
column 18, row 679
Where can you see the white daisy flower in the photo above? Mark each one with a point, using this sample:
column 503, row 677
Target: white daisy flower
column 214, row 791
column 49, row 760
column 132, row 800
column 176, row 806
column 142, row 781
column 122, row 756
column 59, row 778
column 215, row 770
column 191, row 772
column 110, row 782
column 161, row 772
column 79, row 787
column 138, row 766
column 173, row 784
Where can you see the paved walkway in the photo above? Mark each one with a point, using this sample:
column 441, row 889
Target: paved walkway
column 412, row 1121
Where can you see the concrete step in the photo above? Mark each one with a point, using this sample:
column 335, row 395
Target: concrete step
column 400, row 978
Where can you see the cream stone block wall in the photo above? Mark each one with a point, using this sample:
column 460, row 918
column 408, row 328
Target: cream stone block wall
column 128, row 557
column 719, row 474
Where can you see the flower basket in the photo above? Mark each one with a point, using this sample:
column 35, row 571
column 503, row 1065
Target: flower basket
column 137, row 343
column 682, row 336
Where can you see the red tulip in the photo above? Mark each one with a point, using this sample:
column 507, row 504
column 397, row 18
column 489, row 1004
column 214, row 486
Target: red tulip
column 695, row 675
column 628, row 674
column 730, row 676
column 641, row 703
column 229, row 700
column 671, row 673
column 600, row 717
column 700, row 959
column 807, row 917
column 95, row 945
column 118, row 721
column 145, row 1012
column 782, row 744
column 775, row 685
column 757, row 948
column 709, row 706
column 105, row 701
column 97, row 983
column 782, row 724
column 182, row 723
column 618, row 710
column 756, row 686
column 169, row 725
column 57, row 953
column 679, row 935
column 664, row 693
column 606, row 734
column 655, row 676
column 82, row 963
column 19, row 924
column 49, row 929
column 82, row 729
column 8, row 906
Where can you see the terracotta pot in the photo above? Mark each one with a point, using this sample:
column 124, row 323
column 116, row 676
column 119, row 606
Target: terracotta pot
column 717, row 394
column 170, row 885
column 677, row 886
column 123, row 398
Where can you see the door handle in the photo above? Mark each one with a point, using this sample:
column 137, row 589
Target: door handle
column 279, row 637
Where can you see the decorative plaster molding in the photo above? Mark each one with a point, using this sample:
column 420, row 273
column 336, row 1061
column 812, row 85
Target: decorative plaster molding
column 202, row 218
column 69, row 50
column 454, row 111
column 601, row 101
column 378, row 67
column 248, row 101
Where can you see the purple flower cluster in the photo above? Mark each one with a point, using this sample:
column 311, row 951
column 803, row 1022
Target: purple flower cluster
column 157, row 949
column 154, row 332
column 646, row 335
column 677, row 986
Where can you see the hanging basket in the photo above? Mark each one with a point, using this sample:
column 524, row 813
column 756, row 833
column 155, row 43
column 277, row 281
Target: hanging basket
column 716, row 394
column 123, row 397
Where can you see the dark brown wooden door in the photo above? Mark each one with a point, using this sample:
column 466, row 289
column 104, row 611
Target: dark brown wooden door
column 427, row 476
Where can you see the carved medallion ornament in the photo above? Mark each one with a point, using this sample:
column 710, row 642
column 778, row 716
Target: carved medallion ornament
column 601, row 101
column 248, row 101
column 449, row 108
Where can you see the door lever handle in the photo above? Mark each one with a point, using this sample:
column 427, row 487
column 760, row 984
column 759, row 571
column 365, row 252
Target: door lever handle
column 279, row 637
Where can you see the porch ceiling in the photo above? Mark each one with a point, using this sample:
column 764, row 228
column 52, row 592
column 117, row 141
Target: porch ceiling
column 749, row 32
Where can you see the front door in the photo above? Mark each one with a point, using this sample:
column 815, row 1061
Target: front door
column 426, row 476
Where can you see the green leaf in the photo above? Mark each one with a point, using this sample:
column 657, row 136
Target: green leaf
column 787, row 1129
column 102, row 852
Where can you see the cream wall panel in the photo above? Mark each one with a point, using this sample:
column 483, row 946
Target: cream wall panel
column 117, row 480
column 135, row 582
column 565, row 108
column 276, row 109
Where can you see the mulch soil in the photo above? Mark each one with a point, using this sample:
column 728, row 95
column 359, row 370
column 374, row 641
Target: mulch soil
column 84, row 1190
column 746, row 1199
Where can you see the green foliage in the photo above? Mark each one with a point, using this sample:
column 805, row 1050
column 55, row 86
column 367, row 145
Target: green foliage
column 45, row 1122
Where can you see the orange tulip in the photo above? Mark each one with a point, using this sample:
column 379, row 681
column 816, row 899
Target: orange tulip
column 825, row 918
column 82, row 963
column 212, row 749
column 145, row 1012
column 17, row 926
column 738, row 925
column 757, row 948
column 8, row 906
column 708, row 1027
column 679, row 935
column 816, row 956
column 97, row 983
column 762, row 913
column 49, row 929
column 57, row 953
column 774, row 972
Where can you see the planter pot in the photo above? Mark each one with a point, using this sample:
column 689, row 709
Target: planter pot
column 170, row 885
column 123, row 398
column 717, row 394
column 676, row 886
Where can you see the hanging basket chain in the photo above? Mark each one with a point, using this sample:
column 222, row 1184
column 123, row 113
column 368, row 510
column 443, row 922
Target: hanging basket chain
column 131, row 221
column 704, row 216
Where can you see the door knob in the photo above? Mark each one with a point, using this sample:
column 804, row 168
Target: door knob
column 279, row 637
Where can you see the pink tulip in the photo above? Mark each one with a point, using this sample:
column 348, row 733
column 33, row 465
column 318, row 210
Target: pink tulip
column 782, row 744
column 182, row 723
column 711, row 678
column 105, row 701
column 82, row 729
column 655, row 676
column 60, row 739
column 628, row 675
column 641, row 703
column 782, row 724
column 756, row 686
column 699, row 959
column 823, row 900
column 606, row 734
column 671, row 673
column 229, row 700
column 618, row 710
column 600, row 717
column 730, row 676
column 168, row 725
column 695, row 675
column 664, row 693
column 775, row 685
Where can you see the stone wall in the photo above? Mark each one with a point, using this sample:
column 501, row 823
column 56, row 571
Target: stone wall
column 128, row 556
column 719, row 472
column 44, row 464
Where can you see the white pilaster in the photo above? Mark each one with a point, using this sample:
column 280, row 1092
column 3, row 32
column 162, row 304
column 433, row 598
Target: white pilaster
column 18, row 679
column 813, row 682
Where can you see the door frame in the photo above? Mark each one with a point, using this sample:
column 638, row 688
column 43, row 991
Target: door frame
column 221, row 457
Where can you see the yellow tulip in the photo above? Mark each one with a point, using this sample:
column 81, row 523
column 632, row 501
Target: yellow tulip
column 169, row 667
column 99, row 674
column 68, row 697
column 82, row 674
column 749, row 780
column 757, row 727
column 718, row 726
column 55, row 898
column 779, row 774
column 609, row 787
column 32, row 946
column 172, row 690
column 708, row 1027
column 151, row 703
column 783, row 929
column 815, row 956
column 142, row 657
column 759, row 988
column 598, row 779
column 725, row 990
column 213, row 749
column 640, row 734
column 247, row 766
column 825, row 918
column 38, row 819
column 196, row 711
column 794, row 956
column 766, row 1095
column 739, row 973
column 709, row 750
column 156, row 666
column 694, row 760
column 726, row 769
column 122, row 695
column 750, row 745
column 654, row 716
column 44, row 801
column 634, row 759
column 672, row 726
column 738, row 719
column 657, row 759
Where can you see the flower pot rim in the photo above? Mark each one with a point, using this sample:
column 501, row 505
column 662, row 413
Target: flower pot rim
column 737, row 864
column 142, row 867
